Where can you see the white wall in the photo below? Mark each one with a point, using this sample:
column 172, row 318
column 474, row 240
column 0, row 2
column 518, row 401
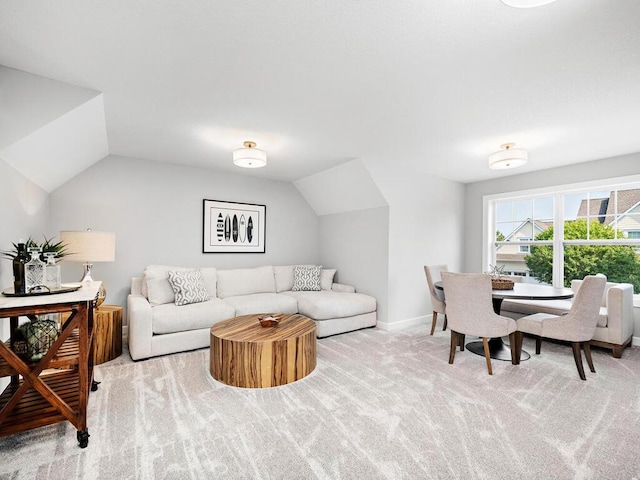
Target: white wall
column 357, row 244
column 426, row 226
column 583, row 172
column 23, row 213
column 155, row 210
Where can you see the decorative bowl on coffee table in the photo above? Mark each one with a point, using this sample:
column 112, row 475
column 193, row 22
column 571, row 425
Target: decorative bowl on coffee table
column 269, row 320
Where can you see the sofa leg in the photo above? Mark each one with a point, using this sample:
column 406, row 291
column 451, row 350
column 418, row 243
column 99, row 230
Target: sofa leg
column 617, row 351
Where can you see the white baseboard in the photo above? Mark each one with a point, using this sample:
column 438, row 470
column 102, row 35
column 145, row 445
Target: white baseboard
column 404, row 324
column 635, row 341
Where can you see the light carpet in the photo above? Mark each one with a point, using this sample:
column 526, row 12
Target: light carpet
column 379, row 405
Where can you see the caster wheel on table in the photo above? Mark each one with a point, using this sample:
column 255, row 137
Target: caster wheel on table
column 83, row 438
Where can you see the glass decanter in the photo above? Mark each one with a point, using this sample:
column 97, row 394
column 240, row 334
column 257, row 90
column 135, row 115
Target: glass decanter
column 34, row 272
column 51, row 272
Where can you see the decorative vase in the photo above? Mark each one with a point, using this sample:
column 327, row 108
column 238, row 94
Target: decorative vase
column 39, row 335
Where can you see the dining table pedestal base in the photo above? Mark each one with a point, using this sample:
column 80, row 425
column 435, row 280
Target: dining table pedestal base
column 498, row 350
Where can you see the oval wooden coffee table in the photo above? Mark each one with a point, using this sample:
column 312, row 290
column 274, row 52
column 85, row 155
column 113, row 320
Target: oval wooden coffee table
column 245, row 354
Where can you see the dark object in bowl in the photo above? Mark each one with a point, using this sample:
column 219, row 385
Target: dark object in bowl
column 269, row 320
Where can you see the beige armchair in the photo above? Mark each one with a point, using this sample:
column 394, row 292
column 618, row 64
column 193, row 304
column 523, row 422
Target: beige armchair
column 577, row 327
column 438, row 305
column 470, row 312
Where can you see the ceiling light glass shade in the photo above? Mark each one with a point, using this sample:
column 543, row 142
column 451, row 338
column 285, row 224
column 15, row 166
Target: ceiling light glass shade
column 250, row 156
column 508, row 157
column 526, row 3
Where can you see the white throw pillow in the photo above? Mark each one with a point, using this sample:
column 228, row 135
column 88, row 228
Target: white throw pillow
column 188, row 287
column 306, row 279
column 326, row 278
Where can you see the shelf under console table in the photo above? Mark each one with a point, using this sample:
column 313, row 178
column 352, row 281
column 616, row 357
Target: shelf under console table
column 56, row 387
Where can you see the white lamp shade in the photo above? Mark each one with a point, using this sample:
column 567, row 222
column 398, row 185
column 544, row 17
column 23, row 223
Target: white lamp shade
column 508, row 158
column 89, row 246
column 249, row 157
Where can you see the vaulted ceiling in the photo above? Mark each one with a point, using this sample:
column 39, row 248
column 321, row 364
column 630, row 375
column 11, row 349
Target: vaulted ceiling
column 430, row 86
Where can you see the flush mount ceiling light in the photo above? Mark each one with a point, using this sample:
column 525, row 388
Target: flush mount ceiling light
column 508, row 157
column 526, row 3
column 250, row 156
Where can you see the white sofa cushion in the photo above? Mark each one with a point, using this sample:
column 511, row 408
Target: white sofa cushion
column 170, row 318
column 262, row 303
column 157, row 289
column 246, row 281
column 326, row 278
column 284, row 277
column 328, row 304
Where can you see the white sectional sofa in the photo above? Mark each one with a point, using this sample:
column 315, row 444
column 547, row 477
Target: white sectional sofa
column 158, row 326
column 615, row 325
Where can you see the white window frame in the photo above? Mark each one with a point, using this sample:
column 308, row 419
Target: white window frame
column 558, row 243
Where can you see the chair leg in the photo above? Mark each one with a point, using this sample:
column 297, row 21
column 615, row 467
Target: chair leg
column 586, row 346
column 513, row 340
column 461, row 341
column 433, row 322
column 454, row 344
column 485, row 342
column 577, row 356
column 444, row 325
column 538, row 344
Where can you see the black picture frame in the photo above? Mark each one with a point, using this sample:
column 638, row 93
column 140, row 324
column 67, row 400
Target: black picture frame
column 233, row 227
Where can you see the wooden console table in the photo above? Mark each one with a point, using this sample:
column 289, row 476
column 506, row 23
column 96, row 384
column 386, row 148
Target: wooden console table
column 35, row 397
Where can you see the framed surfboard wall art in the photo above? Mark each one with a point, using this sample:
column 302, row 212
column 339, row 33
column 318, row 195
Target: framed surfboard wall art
column 233, row 227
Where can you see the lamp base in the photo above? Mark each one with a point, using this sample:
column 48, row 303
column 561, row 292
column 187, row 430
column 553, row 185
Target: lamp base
column 102, row 291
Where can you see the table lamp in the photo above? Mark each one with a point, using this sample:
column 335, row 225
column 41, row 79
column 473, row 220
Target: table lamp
column 90, row 247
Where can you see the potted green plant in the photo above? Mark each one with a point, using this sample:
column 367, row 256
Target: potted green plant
column 47, row 246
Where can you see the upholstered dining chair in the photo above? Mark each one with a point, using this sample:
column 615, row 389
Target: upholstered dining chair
column 437, row 299
column 578, row 326
column 470, row 312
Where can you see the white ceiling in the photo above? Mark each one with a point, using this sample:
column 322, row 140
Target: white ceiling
column 432, row 86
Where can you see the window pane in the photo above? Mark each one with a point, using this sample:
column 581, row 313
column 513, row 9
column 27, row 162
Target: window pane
column 524, row 219
column 586, row 215
column 626, row 217
column 620, row 263
column 537, row 264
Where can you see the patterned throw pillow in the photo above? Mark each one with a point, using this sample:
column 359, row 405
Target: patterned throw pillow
column 306, row 278
column 188, row 287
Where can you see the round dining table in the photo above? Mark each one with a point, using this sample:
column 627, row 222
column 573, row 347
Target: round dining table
column 520, row 291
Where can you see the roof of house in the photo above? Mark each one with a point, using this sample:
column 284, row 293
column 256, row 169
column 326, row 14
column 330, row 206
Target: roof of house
column 605, row 208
